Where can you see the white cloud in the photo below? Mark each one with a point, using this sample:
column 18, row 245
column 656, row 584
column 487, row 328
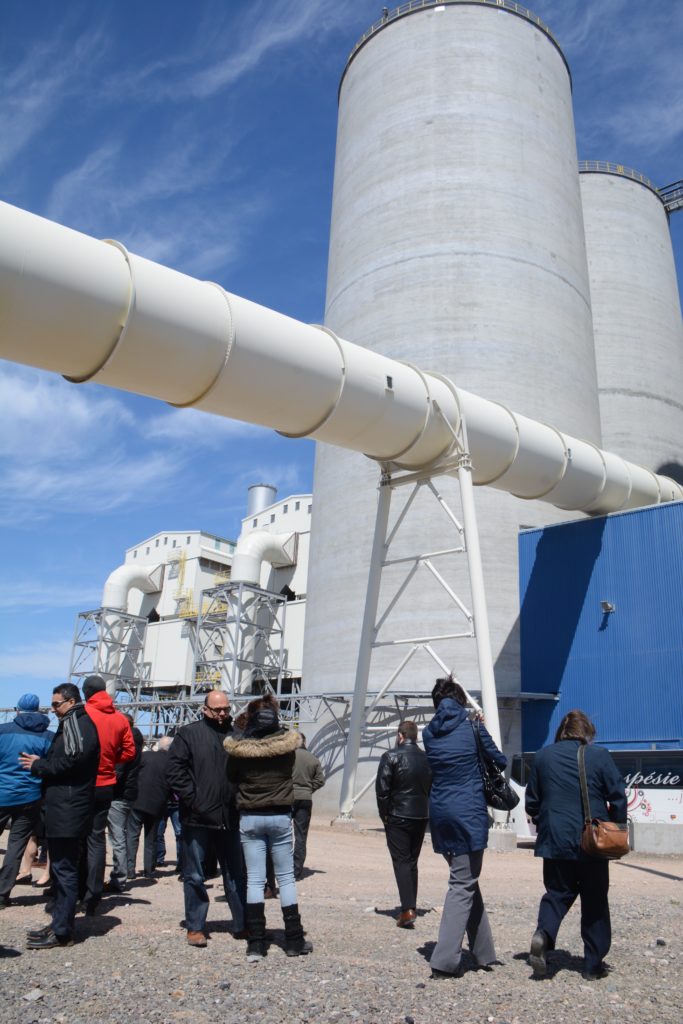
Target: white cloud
column 39, row 594
column 228, row 45
column 44, row 417
column 89, row 486
column 41, row 82
column 42, row 660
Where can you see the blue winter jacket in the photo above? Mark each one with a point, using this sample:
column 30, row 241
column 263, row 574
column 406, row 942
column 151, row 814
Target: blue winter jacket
column 553, row 797
column 27, row 734
column 458, row 817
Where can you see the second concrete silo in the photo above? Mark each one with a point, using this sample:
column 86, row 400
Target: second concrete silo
column 456, row 241
column 636, row 316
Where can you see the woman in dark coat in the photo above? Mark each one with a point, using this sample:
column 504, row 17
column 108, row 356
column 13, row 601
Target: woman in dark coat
column 553, row 800
column 260, row 766
column 459, row 824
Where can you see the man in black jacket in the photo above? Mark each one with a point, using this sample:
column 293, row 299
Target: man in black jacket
column 403, row 782
column 149, row 805
column 198, row 773
column 69, row 772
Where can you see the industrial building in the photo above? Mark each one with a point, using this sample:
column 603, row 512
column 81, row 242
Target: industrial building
column 470, row 255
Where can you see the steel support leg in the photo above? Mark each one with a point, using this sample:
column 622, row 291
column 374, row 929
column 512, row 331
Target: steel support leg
column 365, row 651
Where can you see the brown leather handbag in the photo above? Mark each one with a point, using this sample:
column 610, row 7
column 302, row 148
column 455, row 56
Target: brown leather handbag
column 606, row 839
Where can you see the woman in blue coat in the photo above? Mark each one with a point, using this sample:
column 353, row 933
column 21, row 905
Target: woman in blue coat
column 459, row 823
column 553, row 800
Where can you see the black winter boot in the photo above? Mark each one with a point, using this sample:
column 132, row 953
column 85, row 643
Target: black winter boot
column 255, row 922
column 295, row 943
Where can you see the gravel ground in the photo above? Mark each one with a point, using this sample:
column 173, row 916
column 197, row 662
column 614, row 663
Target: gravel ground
column 132, row 964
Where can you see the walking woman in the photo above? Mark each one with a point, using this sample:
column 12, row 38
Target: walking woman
column 553, row 800
column 260, row 765
column 459, row 824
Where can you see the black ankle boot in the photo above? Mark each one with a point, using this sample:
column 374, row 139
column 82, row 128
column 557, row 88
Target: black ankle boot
column 255, row 923
column 295, row 943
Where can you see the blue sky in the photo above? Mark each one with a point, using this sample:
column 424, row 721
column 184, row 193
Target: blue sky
column 202, row 136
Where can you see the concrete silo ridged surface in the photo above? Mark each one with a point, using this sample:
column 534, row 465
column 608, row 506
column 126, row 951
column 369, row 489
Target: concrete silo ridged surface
column 636, row 318
column 457, row 243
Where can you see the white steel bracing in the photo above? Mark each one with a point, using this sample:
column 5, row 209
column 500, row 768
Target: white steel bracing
column 473, row 622
column 240, row 640
column 109, row 642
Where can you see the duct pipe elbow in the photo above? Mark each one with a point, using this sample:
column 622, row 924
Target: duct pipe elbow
column 126, row 578
column 257, row 547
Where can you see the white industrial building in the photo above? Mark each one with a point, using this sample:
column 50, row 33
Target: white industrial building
column 155, row 606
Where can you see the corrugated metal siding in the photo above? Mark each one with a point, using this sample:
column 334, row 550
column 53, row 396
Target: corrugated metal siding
column 624, row 669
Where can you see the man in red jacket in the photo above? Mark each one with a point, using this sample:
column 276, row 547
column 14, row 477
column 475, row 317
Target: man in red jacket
column 116, row 747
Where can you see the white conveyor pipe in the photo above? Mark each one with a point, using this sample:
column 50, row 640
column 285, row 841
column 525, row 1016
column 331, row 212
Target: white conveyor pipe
column 121, row 581
column 94, row 312
column 253, row 548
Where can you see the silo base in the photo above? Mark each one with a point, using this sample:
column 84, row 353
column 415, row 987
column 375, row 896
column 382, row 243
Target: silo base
column 348, row 824
column 502, row 840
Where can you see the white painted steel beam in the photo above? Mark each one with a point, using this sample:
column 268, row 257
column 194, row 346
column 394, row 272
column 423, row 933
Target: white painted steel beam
column 94, row 312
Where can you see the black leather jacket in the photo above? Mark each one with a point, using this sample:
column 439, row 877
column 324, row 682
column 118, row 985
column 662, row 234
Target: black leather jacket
column 403, row 782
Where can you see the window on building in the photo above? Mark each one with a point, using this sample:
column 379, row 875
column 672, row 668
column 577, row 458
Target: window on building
column 297, row 506
column 285, row 509
column 156, row 543
column 165, row 540
column 174, row 543
column 272, row 517
column 217, row 545
column 254, row 523
column 188, row 540
column 310, row 508
column 147, row 550
column 135, row 553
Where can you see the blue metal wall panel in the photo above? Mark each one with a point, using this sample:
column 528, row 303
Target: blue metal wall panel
column 624, row 669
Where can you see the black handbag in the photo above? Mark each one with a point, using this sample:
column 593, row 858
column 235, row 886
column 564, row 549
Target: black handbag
column 498, row 793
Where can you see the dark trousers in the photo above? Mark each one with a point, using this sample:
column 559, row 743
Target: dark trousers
column 196, row 844
column 172, row 815
column 95, row 849
column 136, row 822
column 404, row 839
column 301, row 819
column 564, row 880
column 23, row 821
column 65, row 855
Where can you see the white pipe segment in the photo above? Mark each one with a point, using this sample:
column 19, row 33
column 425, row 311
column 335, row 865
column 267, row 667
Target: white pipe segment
column 252, row 549
column 121, row 581
column 92, row 311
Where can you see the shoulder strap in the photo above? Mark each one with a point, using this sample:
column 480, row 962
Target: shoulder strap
column 477, row 740
column 581, row 757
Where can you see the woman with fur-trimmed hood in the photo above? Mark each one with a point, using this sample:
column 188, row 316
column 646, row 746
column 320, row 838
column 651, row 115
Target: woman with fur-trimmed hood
column 260, row 766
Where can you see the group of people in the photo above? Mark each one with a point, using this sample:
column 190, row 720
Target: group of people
column 443, row 786
column 237, row 787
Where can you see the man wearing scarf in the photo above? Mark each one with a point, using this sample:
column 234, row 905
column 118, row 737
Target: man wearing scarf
column 68, row 772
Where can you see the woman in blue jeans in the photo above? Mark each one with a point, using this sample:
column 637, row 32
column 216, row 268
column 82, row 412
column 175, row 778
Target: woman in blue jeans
column 260, row 766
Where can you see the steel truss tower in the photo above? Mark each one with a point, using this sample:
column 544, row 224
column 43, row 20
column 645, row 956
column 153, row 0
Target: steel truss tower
column 240, row 641
column 109, row 643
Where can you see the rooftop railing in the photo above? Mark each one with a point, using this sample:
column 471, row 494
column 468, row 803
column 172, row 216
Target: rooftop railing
column 413, row 6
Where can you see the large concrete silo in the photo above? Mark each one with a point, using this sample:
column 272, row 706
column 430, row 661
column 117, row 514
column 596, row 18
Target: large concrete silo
column 456, row 241
column 636, row 316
